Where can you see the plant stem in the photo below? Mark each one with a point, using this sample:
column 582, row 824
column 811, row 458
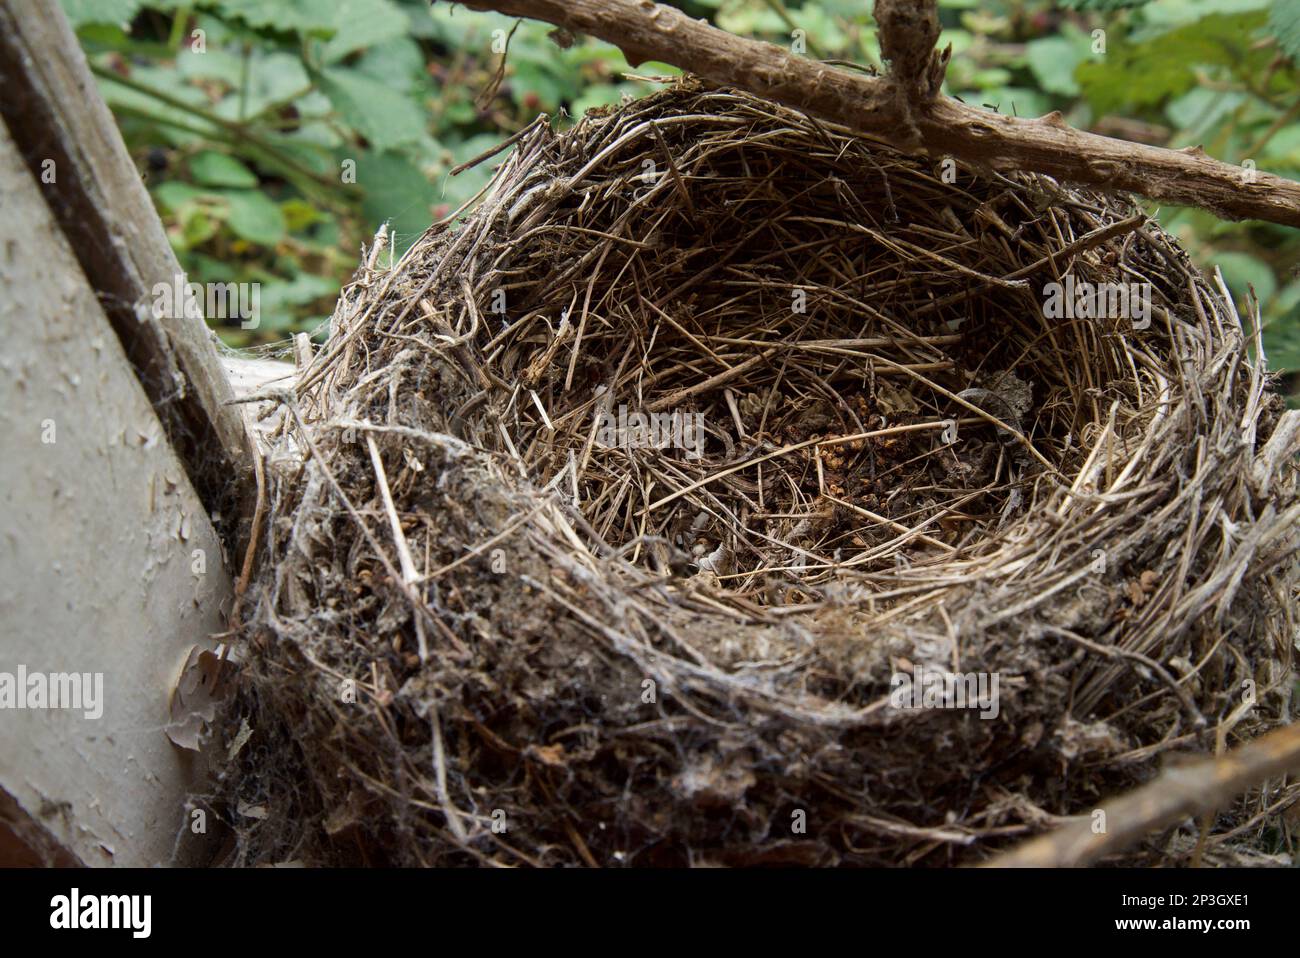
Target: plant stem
column 240, row 130
column 179, row 23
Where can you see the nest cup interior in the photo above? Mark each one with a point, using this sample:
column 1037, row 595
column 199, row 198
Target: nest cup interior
column 753, row 350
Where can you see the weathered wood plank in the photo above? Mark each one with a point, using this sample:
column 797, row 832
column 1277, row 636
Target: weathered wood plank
column 53, row 109
column 108, row 564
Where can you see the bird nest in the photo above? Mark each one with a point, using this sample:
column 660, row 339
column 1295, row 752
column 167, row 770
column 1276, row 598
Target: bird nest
column 724, row 487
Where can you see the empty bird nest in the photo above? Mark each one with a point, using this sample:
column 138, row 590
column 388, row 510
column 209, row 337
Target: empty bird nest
column 722, row 487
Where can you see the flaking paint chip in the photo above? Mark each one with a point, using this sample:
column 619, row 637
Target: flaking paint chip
column 195, row 698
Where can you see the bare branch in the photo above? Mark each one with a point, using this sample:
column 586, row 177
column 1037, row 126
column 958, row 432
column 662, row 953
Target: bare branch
column 908, row 33
column 645, row 30
column 1179, row 793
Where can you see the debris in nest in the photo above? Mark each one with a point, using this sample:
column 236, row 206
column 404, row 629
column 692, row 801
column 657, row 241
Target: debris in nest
column 1016, row 394
column 489, row 627
column 241, row 739
column 893, row 400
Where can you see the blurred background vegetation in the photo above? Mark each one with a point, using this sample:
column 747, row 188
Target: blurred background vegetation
column 277, row 135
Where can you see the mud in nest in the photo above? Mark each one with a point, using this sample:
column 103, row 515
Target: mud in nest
column 619, row 521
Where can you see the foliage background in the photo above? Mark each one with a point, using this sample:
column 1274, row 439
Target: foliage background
column 243, row 114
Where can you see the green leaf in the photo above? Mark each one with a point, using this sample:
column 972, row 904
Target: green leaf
column 273, row 79
column 196, row 227
column 214, row 64
column 419, row 20
column 960, row 41
column 398, row 63
column 1284, row 148
column 1199, row 111
column 302, row 289
column 382, row 115
column 95, row 37
column 211, row 168
column 751, row 19
column 1148, row 73
column 315, row 17
column 1168, row 14
column 466, row 30
column 1053, row 60
column 299, row 215
column 396, row 192
column 601, row 94
column 346, row 25
column 1289, row 298
column 279, row 297
column 991, row 77
column 1284, row 23
column 100, row 11
column 1102, row 5
column 1011, row 101
column 363, row 23
column 254, row 216
column 1241, row 270
column 173, row 194
column 538, row 87
column 117, row 95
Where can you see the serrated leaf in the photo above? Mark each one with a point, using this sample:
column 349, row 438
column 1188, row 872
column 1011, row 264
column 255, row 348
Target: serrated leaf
column 297, row 16
column 1148, row 73
column 1284, row 24
column 211, row 168
column 382, row 115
